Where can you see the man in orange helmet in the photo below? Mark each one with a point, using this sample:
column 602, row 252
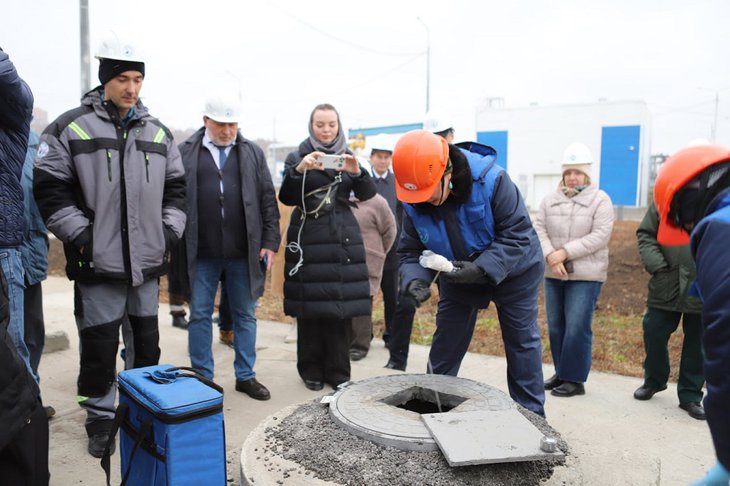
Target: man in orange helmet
column 692, row 194
column 459, row 204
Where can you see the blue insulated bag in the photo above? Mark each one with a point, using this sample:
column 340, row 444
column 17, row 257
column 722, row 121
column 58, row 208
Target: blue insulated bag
column 171, row 428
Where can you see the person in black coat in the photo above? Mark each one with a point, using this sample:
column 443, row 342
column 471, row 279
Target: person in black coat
column 326, row 278
column 23, row 421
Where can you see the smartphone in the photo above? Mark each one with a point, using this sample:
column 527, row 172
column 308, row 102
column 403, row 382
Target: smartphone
column 568, row 266
column 332, row 161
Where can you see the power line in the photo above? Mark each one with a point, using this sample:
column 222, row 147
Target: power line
column 343, row 41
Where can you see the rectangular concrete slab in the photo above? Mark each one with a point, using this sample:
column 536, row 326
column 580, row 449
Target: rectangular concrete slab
column 486, row 437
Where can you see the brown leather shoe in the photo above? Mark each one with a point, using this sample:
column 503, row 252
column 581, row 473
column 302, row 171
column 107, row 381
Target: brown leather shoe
column 227, row 338
column 253, row 389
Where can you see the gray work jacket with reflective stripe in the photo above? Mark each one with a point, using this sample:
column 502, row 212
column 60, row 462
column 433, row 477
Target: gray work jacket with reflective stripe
column 126, row 183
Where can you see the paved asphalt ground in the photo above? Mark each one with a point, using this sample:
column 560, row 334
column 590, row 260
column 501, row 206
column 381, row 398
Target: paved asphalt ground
column 615, row 439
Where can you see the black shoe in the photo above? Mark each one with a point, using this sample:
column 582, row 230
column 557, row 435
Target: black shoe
column 357, row 355
column 645, row 392
column 694, row 409
column 336, row 384
column 314, row 385
column 253, row 389
column 553, row 382
column 97, row 444
column 392, row 365
column 569, row 389
column 180, row 322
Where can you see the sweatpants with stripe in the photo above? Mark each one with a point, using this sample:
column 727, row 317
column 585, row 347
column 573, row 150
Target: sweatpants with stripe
column 100, row 310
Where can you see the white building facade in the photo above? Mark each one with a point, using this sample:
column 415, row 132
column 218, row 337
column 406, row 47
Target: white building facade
column 530, row 142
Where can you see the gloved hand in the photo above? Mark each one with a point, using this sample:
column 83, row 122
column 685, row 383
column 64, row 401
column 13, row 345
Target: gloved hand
column 464, row 273
column 716, row 476
column 418, row 292
column 85, row 243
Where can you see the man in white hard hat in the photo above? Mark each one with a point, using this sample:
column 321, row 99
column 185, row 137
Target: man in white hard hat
column 440, row 125
column 232, row 232
column 110, row 185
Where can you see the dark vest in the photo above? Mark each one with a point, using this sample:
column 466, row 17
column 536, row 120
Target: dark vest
column 386, row 188
column 222, row 227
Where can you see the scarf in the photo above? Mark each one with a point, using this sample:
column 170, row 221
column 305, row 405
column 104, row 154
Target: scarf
column 338, row 146
column 572, row 191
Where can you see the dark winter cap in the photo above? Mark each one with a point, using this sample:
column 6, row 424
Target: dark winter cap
column 111, row 68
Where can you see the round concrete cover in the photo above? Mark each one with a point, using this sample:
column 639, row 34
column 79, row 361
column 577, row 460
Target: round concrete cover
column 370, row 408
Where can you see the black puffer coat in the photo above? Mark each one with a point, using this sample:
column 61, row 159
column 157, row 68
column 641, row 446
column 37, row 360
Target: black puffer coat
column 332, row 282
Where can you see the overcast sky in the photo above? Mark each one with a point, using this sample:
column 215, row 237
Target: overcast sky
column 368, row 58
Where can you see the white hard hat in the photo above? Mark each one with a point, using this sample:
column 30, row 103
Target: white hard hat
column 381, row 141
column 577, row 154
column 112, row 47
column 223, row 109
column 436, row 122
column 698, row 142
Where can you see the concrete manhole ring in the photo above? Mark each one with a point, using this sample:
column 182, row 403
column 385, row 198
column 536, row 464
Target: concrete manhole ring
column 377, row 408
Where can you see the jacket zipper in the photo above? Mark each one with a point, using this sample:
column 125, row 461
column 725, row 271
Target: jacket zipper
column 122, row 138
column 109, row 164
column 147, row 165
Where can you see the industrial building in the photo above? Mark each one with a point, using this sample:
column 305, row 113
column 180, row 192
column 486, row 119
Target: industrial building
column 530, row 142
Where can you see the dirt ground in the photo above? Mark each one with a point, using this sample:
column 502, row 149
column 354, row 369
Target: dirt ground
column 618, row 344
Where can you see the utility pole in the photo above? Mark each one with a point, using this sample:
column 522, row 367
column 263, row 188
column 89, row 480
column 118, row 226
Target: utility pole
column 713, row 129
column 714, row 124
column 428, row 63
column 84, row 36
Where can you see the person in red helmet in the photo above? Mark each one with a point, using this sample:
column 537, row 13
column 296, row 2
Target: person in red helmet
column 460, row 204
column 692, row 195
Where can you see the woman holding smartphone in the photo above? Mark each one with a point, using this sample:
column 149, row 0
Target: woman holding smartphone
column 326, row 277
column 574, row 226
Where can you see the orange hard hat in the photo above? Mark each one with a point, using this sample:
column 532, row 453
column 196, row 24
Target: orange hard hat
column 419, row 162
column 675, row 173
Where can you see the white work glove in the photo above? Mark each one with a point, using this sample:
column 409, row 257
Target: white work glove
column 429, row 259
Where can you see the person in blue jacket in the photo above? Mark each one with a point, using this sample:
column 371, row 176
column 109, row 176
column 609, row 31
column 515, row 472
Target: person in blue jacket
column 692, row 194
column 16, row 108
column 460, row 204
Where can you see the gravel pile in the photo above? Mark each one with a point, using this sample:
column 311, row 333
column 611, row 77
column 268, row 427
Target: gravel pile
column 310, row 438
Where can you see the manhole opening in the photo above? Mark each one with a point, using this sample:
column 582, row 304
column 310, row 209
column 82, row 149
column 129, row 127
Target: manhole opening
column 423, row 400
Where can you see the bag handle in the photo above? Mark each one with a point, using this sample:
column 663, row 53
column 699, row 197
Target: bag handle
column 193, row 373
column 119, row 416
column 144, row 429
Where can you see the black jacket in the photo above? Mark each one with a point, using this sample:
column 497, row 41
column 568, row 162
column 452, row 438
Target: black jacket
column 18, row 390
column 259, row 202
column 332, row 282
column 386, row 188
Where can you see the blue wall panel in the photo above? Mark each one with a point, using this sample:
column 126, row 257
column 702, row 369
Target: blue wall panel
column 620, row 163
column 498, row 141
column 366, row 132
